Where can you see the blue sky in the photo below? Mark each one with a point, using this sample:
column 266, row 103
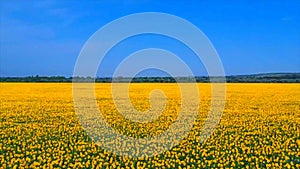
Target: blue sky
column 45, row 37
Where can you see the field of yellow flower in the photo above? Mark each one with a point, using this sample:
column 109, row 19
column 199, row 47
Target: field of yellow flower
column 260, row 128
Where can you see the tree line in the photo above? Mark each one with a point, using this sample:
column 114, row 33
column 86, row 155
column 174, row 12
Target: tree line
column 256, row 78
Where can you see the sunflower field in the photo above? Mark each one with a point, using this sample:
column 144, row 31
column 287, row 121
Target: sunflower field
column 259, row 128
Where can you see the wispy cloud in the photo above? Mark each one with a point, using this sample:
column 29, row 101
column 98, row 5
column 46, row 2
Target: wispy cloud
column 286, row 19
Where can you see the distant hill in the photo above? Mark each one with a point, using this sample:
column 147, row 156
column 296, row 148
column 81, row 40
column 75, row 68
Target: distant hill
column 266, row 77
column 254, row 78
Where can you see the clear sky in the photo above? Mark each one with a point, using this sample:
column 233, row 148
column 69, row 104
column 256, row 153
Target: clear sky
column 45, row 37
